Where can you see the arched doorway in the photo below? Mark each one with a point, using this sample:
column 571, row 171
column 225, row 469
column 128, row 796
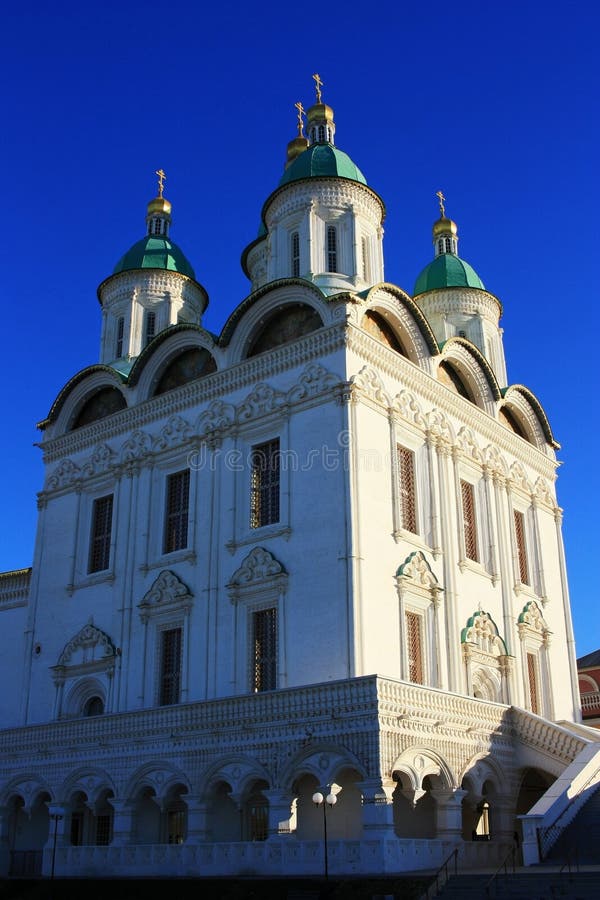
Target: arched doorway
column 28, row 834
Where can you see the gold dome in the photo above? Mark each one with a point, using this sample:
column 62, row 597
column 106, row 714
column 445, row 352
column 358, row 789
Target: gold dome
column 444, row 226
column 159, row 206
column 320, row 112
column 295, row 148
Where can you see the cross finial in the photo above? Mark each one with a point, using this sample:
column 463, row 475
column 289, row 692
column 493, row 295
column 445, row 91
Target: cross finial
column 161, row 181
column 318, row 85
column 441, row 198
column 300, row 109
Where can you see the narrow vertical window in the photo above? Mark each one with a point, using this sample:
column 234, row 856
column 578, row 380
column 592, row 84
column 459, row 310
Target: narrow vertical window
column 295, row 255
column 414, row 646
column 264, row 648
column 406, row 489
column 120, row 333
column 321, row 133
column 177, row 511
column 534, row 695
column 365, row 258
column 149, row 326
column 264, row 484
column 103, row 829
column 170, row 666
column 176, row 824
column 469, row 524
column 331, row 248
column 448, row 245
column 100, row 535
column 519, row 519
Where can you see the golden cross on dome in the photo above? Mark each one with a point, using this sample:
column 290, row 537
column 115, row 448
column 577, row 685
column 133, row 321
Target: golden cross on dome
column 300, row 109
column 318, row 85
column 441, row 198
column 161, row 181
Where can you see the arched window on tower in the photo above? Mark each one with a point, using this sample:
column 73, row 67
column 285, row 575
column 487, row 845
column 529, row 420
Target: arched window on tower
column 120, row 334
column 332, row 262
column 440, row 246
column 295, row 250
column 448, row 245
column 149, row 326
column 365, row 258
column 321, row 134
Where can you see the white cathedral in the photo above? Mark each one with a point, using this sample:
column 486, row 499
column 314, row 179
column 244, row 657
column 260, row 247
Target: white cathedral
column 315, row 557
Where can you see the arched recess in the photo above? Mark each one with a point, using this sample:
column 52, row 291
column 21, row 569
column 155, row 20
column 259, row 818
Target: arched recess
column 85, row 670
column 189, row 365
column 102, row 403
column 28, row 830
column 76, row 392
column 287, row 323
column 486, row 660
column 526, row 410
column 396, row 311
column 482, row 782
column 375, row 324
column 463, row 369
column 533, row 785
column 419, row 774
column 176, row 356
column 263, row 308
column 234, row 791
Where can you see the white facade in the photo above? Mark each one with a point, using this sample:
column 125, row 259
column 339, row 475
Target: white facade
column 295, row 557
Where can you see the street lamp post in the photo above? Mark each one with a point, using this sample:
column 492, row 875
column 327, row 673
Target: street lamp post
column 330, row 800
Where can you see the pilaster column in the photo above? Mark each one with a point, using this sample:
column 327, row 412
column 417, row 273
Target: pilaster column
column 280, row 812
column 60, row 824
column 377, row 808
column 448, row 813
column 122, row 821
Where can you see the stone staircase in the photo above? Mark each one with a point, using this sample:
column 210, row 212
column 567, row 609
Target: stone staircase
column 530, row 884
column 580, row 840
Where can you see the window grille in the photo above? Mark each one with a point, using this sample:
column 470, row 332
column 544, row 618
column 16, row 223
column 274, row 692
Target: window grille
column 103, row 830
column 440, row 246
column 321, row 134
column 150, row 327
column 76, row 834
column 448, row 245
column 534, row 699
column 177, row 511
column 295, row 255
column 331, row 248
column 120, row 333
column 406, row 489
column 170, row 666
column 101, row 531
column 264, row 644
column 414, row 646
column 264, row 484
column 469, row 524
column 519, row 519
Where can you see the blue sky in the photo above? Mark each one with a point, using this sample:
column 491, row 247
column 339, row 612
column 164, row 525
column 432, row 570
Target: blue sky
column 496, row 104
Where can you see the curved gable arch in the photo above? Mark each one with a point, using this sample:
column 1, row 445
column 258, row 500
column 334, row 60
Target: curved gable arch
column 520, row 400
column 472, row 366
column 406, row 319
column 77, row 391
column 247, row 319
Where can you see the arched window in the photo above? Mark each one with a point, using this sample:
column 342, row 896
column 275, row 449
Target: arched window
column 120, row 334
column 321, row 134
column 440, row 246
column 188, row 366
column 104, row 402
column 365, row 259
column 448, row 245
column 149, row 326
column 510, row 420
column 295, row 255
column 332, row 249
column 286, row 324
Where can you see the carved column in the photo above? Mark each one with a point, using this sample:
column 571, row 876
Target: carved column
column 433, row 504
column 448, row 520
column 377, row 808
column 280, row 812
column 122, row 821
column 567, row 616
column 448, row 813
column 197, row 820
column 492, row 550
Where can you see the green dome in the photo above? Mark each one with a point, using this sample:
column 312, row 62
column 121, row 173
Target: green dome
column 154, row 252
column 322, row 161
column 447, row 270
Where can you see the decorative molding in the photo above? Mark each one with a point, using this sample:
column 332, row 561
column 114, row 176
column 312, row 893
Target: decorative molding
column 65, row 475
column 259, row 571
column 264, row 400
column 369, row 384
column 167, row 592
column 101, row 461
column 175, row 433
column 315, row 380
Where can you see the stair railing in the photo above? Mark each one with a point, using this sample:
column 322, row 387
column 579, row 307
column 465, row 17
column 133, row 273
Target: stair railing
column 436, row 883
column 548, row 835
column 507, row 865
